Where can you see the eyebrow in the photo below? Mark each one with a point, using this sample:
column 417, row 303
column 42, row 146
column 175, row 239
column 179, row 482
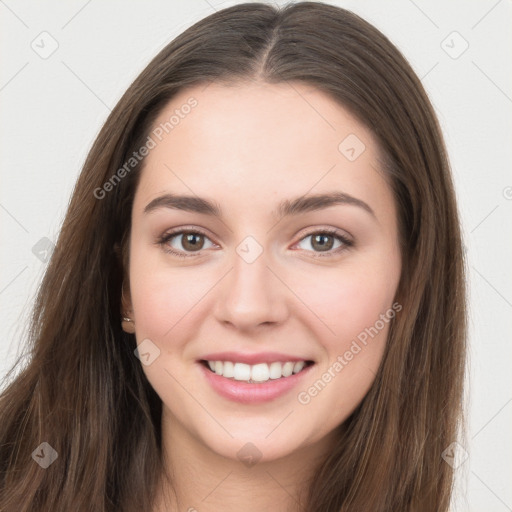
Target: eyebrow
column 287, row 207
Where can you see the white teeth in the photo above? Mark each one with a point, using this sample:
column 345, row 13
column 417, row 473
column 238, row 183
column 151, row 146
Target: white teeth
column 275, row 370
column 228, row 369
column 297, row 367
column 260, row 372
column 287, row 369
column 241, row 371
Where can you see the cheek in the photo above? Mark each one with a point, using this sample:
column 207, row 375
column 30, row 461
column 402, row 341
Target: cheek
column 357, row 306
column 165, row 298
column 349, row 301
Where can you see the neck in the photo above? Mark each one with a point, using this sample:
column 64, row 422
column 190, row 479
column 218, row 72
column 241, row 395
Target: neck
column 201, row 480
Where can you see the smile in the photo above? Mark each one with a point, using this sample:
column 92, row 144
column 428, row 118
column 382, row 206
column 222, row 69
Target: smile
column 256, row 373
column 253, row 383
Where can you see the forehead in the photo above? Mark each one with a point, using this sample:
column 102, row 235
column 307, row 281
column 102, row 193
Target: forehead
column 262, row 115
column 256, row 141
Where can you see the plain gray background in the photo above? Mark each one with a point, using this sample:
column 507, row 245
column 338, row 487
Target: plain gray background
column 65, row 65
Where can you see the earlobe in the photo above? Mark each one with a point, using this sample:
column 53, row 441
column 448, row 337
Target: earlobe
column 128, row 325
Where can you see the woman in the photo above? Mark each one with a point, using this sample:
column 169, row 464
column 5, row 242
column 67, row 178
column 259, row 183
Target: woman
column 257, row 297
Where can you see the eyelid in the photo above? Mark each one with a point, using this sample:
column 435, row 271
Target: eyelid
column 325, row 229
column 185, row 229
column 344, row 237
column 163, row 240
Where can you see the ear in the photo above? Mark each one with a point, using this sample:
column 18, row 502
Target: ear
column 126, row 301
column 127, row 321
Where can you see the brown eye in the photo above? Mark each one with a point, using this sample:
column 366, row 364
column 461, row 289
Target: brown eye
column 326, row 242
column 322, row 242
column 185, row 243
column 192, row 241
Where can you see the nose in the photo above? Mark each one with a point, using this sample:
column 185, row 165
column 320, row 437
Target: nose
column 251, row 296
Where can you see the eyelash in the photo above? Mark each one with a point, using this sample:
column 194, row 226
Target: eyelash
column 165, row 238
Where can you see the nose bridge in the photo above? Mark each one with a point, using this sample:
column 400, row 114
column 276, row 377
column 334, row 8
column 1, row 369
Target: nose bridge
column 251, row 294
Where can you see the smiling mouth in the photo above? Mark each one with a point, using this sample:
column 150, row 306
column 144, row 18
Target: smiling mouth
column 256, row 373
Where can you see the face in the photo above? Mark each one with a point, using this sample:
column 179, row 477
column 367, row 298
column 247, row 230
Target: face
column 263, row 232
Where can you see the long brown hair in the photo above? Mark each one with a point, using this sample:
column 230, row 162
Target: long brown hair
column 84, row 392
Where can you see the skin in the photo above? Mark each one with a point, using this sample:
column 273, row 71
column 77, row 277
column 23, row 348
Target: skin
column 248, row 147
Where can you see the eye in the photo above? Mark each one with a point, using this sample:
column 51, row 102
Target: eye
column 185, row 242
column 326, row 241
column 182, row 242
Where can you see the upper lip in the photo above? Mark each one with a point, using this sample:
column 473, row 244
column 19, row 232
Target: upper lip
column 261, row 357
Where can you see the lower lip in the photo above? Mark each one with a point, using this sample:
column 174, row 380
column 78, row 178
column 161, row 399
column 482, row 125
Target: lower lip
column 245, row 393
